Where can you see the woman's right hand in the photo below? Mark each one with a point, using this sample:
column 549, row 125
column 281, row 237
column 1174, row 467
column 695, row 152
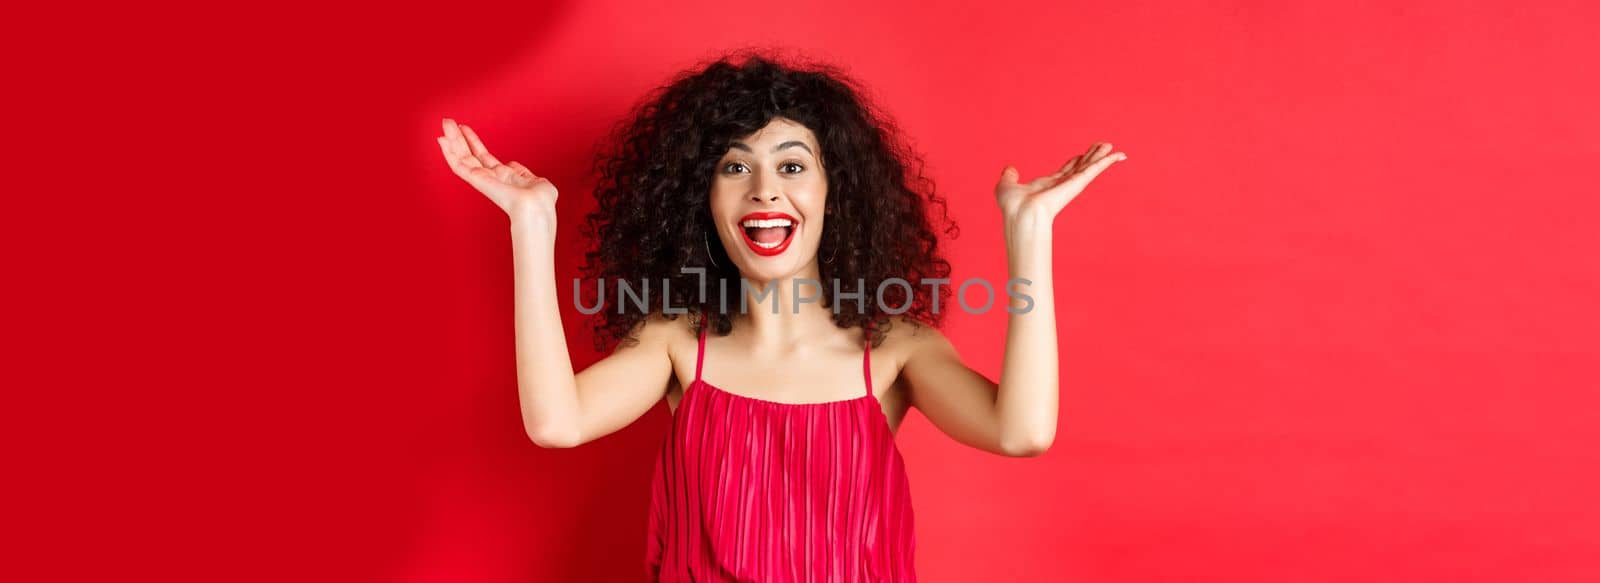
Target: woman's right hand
column 511, row 186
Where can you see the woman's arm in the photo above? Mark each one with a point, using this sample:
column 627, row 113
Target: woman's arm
column 559, row 409
column 1017, row 417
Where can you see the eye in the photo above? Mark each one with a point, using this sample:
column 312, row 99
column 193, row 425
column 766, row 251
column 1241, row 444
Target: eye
column 798, row 167
column 727, row 167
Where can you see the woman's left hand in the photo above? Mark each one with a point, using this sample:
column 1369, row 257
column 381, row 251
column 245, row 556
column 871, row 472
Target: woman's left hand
column 1043, row 197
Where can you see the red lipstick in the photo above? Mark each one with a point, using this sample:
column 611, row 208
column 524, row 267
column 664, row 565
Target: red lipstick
column 768, row 233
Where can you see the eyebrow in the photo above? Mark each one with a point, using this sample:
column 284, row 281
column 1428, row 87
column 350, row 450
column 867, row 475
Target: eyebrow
column 790, row 143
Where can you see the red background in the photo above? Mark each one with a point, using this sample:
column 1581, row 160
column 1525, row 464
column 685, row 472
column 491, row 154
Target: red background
column 1333, row 320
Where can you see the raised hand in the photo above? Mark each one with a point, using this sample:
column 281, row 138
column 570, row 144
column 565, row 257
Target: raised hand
column 1045, row 196
column 511, row 186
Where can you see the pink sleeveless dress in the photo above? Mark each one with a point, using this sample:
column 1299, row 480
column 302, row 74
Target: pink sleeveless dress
column 746, row 489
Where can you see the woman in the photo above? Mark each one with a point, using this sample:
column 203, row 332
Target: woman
column 733, row 183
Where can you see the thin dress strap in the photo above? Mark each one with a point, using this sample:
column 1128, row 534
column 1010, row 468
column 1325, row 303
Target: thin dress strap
column 700, row 357
column 866, row 359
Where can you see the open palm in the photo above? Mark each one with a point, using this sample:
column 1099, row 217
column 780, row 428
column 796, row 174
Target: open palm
column 1048, row 194
column 511, row 186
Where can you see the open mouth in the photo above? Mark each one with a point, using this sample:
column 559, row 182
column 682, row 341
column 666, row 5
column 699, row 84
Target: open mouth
column 768, row 233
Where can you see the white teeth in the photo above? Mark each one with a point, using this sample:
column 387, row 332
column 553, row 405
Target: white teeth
column 767, row 245
column 764, row 223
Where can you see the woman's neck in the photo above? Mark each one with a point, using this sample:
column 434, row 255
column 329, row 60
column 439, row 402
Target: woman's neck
column 781, row 313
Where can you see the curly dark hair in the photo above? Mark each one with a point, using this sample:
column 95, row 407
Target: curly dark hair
column 656, row 168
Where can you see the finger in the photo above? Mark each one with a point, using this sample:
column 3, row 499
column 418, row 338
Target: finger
column 1094, row 169
column 1094, row 149
column 467, row 159
column 1088, row 158
column 445, row 149
column 1100, row 150
column 450, row 156
column 458, row 164
column 476, row 145
column 451, row 131
column 458, row 143
column 1008, row 176
column 1066, row 169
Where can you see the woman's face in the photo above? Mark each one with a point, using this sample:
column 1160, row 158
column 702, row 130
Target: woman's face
column 768, row 197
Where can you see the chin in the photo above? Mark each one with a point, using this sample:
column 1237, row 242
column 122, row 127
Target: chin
column 790, row 264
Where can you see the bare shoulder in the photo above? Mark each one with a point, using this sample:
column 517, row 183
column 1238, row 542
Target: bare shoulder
column 660, row 332
column 906, row 337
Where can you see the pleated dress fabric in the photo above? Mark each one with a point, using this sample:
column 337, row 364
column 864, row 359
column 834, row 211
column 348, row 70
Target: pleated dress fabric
column 747, row 489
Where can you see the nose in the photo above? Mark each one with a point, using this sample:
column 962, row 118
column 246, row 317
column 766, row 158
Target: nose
column 765, row 190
